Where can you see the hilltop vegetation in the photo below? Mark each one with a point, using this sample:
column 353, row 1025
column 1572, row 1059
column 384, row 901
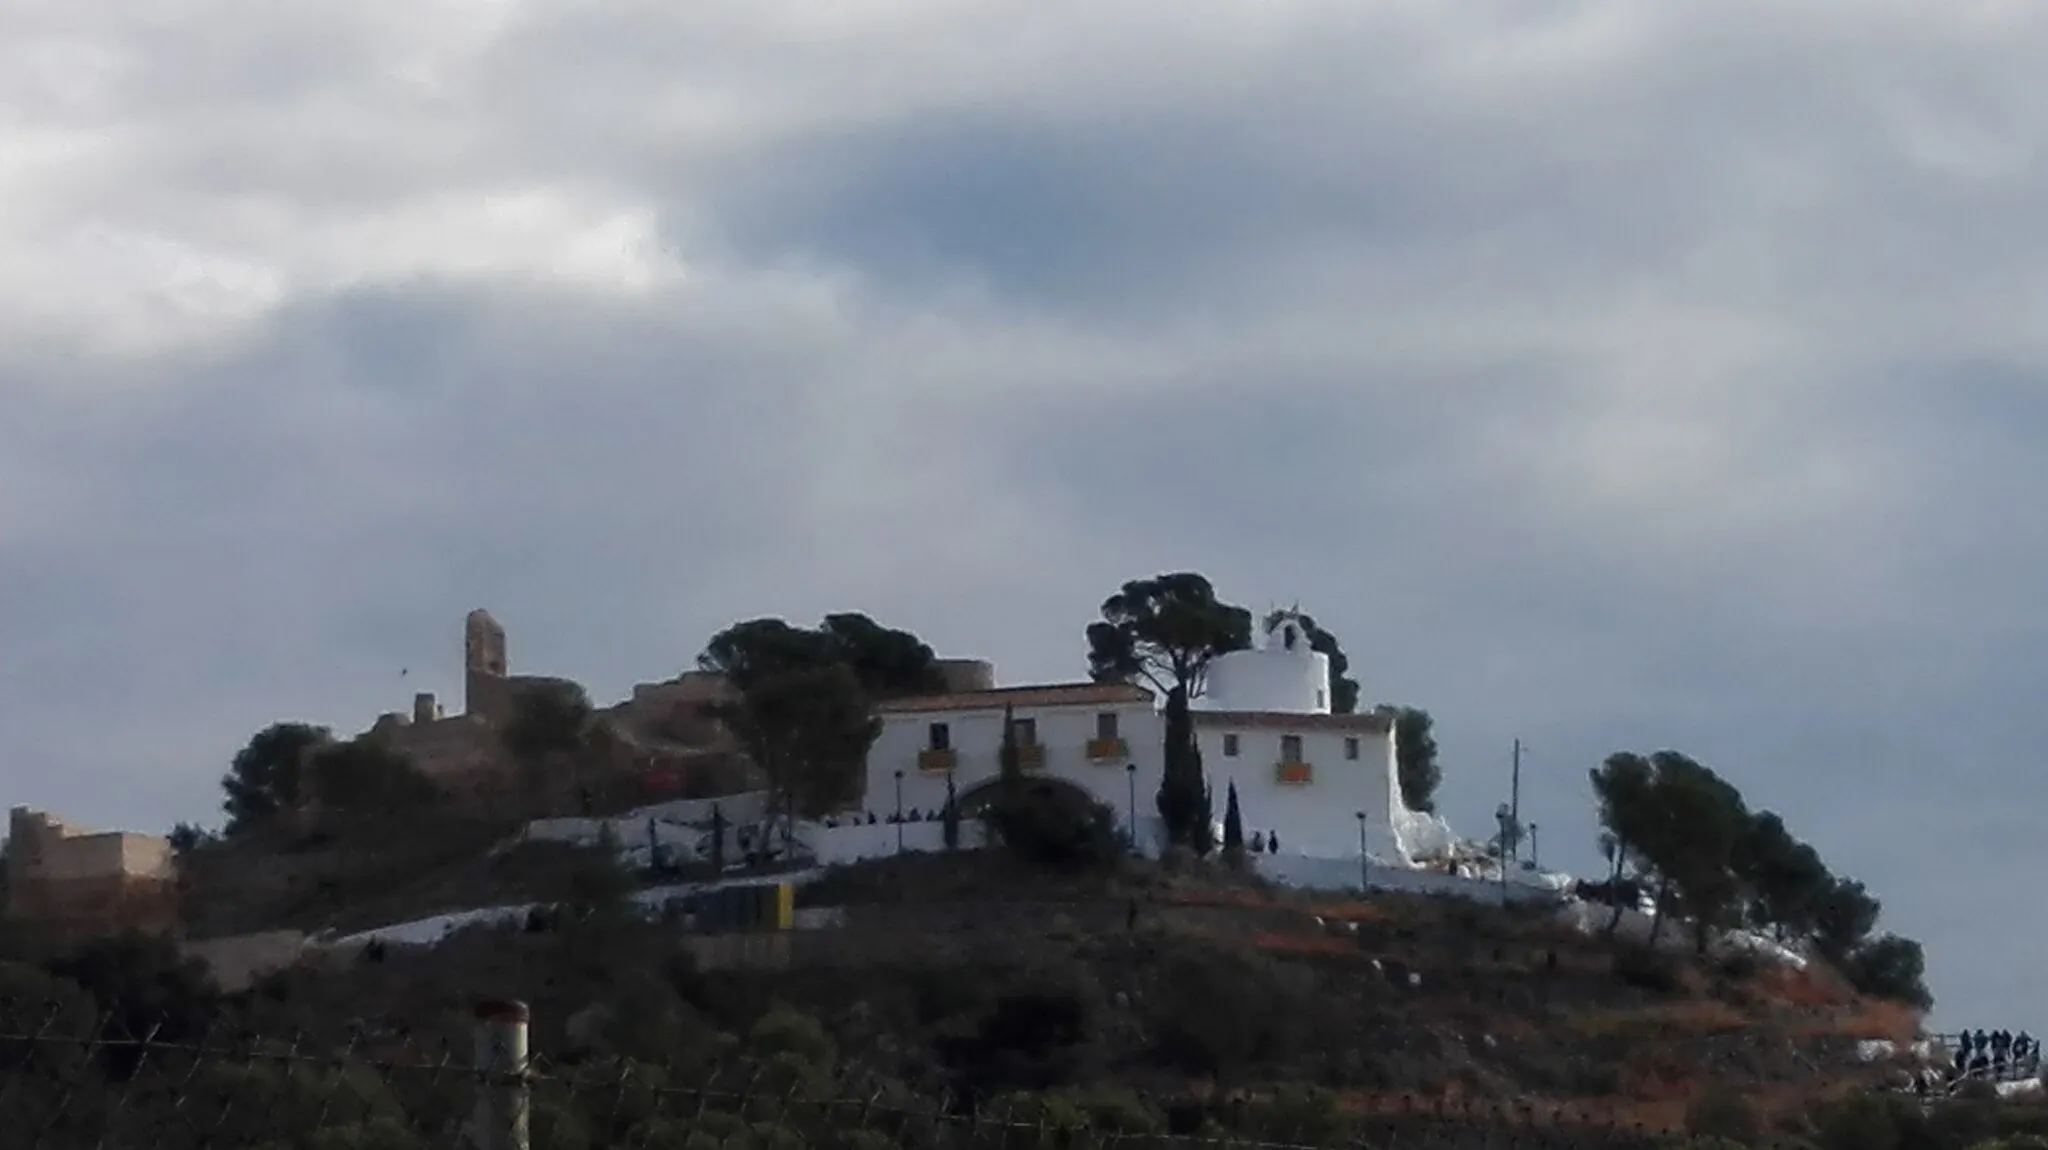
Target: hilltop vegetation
column 980, row 984
column 1044, row 990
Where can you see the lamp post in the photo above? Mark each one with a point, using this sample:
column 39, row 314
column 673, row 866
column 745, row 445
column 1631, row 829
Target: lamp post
column 1131, row 773
column 899, row 811
column 1535, row 849
column 1364, row 859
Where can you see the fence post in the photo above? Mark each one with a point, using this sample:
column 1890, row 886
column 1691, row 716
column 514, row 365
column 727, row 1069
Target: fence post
column 500, row 1119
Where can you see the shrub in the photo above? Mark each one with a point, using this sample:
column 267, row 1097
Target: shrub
column 1861, row 1123
column 1741, row 966
column 1295, row 1114
column 1890, row 967
column 1055, row 825
column 1038, row 1034
column 1722, row 1113
column 1221, row 1014
column 1646, row 969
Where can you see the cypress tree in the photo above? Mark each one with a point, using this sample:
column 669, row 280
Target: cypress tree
column 1010, row 763
column 1233, row 823
column 1204, row 840
column 951, row 815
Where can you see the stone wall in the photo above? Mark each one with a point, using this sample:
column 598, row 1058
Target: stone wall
column 90, row 907
column 662, row 743
column 239, row 962
column 80, row 884
column 459, row 747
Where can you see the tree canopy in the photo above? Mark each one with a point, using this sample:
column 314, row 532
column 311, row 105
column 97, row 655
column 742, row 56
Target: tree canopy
column 268, row 775
column 808, row 730
column 1415, row 752
column 887, row 663
column 1165, row 631
column 1788, row 880
column 366, row 777
column 1688, row 835
column 805, row 711
column 549, row 717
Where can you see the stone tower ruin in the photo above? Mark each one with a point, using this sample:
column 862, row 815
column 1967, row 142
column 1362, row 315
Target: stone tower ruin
column 486, row 691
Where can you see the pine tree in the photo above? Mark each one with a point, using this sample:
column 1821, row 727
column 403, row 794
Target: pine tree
column 1183, row 806
column 1233, row 823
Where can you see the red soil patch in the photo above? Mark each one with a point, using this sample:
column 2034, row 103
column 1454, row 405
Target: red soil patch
column 1352, row 912
column 1304, row 944
column 1237, row 899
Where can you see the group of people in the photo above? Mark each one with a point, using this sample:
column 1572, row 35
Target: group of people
column 1997, row 1054
column 1258, row 842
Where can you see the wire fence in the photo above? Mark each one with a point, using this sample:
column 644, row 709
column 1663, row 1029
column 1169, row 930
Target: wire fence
column 70, row 1088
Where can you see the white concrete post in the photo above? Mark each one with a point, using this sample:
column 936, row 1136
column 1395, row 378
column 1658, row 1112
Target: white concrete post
column 500, row 1120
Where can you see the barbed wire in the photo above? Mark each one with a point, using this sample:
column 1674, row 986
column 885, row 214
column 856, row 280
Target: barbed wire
column 245, row 1090
column 80, row 1078
column 249, row 1091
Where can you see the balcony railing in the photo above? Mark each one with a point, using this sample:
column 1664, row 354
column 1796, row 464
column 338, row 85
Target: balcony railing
column 937, row 760
column 1030, row 756
column 1293, row 774
column 1112, row 751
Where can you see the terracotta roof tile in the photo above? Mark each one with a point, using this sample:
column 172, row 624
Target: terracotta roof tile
column 1372, row 721
column 1038, row 695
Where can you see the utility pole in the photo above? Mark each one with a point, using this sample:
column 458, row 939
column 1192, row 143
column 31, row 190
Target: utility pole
column 1515, row 799
column 1509, row 816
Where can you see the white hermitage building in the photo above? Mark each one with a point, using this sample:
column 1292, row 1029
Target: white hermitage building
column 1326, row 783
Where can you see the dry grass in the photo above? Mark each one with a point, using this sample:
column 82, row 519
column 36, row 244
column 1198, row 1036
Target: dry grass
column 1689, row 1019
column 1813, row 988
column 1886, row 1021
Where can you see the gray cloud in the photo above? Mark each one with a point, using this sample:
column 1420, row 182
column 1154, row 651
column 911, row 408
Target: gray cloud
column 1607, row 376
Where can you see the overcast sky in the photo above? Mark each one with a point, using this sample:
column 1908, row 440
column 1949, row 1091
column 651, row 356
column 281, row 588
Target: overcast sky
column 1613, row 375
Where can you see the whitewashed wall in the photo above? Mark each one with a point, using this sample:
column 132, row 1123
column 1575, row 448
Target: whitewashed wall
column 1309, row 873
column 1319, row 818
column 1273, row 679
column 745, row 807
column 834, row 846
column 977, row 738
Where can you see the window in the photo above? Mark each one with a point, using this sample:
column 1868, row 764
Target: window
column 1351, row 748
column 1290, row 749
column 1105, row 725
column 1026, row 731
column 1322, row 698
column 1230, row 746
column 941, row 737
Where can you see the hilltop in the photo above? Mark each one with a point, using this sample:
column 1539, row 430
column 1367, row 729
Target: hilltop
column 978, row 982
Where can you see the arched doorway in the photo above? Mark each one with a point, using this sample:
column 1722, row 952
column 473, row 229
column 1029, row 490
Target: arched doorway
column 975, row 800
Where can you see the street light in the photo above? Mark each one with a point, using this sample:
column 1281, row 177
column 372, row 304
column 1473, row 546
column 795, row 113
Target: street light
column 1535, row 849
column 899, row 811
column 1131, row 773
column 1364, row 859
